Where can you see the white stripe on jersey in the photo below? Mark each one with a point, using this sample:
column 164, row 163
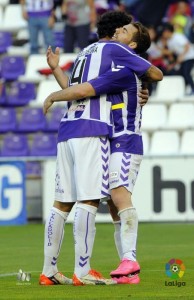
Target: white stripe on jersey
column 103, row 106
column 39, row 5
column 138, row 109
column 124, row 109
column 137, row 120
column 95, row 62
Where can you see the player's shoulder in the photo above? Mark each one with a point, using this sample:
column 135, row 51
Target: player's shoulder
column 117, row 46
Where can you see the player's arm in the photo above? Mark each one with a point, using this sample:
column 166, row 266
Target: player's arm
column 152, row 74
column 123, row 55
column 110, row 82
column 53, row 62
column 75, row 92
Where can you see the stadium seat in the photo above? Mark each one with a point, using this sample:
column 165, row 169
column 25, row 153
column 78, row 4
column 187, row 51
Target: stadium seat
column 165, row 143
column 181, row 116
column 5, row 41
column 37, row 63
column 169, row 90
column 33, row 64
column 8, row 119
column 3, row 94
column 15, row 145
column 12, row 18
column 1, row 16
column 55, row 118
column 43, row 144
column 21, row 93
column 154, row 116
column 32, row 120
column 146, row 142
column 12, row 67
column 45, row 88
column 4, row 3
column 187, row 143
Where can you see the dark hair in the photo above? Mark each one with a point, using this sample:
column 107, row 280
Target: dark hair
column 110, row 21
column 168, row 27
column 141, row 37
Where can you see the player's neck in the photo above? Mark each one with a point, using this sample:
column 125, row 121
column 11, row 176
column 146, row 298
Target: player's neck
column 105, row 39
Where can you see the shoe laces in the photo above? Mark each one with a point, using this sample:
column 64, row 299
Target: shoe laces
column 97, row 274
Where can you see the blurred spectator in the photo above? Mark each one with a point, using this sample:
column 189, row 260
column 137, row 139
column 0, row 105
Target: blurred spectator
column 101, row 6
column 179, row 14
column 149, row 12
column 41, row 18
column 155, row 53
column 80, row 18
column 129, row 6
column 179, row 44
column 159, row 55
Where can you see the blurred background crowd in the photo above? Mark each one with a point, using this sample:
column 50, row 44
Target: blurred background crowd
column 71, row 25
column 27, row 28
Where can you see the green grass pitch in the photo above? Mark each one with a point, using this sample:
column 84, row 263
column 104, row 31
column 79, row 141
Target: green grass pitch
column 21, row 247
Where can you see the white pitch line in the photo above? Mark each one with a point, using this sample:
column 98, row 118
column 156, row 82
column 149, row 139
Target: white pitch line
column 143, row 271
column 14, row 274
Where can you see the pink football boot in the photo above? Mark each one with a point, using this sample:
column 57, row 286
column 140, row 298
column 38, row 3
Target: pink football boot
column 125, row 268
column 134, row 279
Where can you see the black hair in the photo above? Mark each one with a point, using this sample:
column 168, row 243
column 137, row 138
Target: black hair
column 110, row 21
column 168, row 27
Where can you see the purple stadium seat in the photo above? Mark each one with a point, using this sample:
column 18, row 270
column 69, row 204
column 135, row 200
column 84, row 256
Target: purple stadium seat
column 15, row 145
column 44, row 144
column 21, row 93
column 12, row 67
column 33, row 169
column 5, row 41
column 8, row 119
column 32, row 120
column 55, row 118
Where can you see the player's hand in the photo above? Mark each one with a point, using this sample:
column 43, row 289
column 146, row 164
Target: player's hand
column 48, row 102
column 143, row 96
column 53, row 58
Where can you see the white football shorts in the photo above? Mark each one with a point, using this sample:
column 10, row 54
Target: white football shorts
column 123, row 170
column 82, row 169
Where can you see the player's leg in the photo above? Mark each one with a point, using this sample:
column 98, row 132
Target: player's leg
column 91, row 168
column 53, row 238
column 121, row 189
column 117, row 225
column 84, row 235
column 54, row 227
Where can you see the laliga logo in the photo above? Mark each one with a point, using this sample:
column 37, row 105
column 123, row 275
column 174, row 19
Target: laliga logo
column 175, row 269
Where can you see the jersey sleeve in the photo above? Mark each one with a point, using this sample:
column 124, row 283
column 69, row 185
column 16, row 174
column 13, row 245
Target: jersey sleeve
column 114, row 81
column 124, row 56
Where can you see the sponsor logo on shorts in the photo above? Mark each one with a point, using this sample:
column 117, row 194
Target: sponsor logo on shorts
column 114, row 175
column 114, row 181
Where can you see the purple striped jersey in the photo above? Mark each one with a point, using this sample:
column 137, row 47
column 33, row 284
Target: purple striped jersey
column 39, row 7
column 93, row 116
column 126, row 111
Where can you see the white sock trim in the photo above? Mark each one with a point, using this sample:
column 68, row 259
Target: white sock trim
column 87, row 207
column 128, row 208
column 63, row 214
